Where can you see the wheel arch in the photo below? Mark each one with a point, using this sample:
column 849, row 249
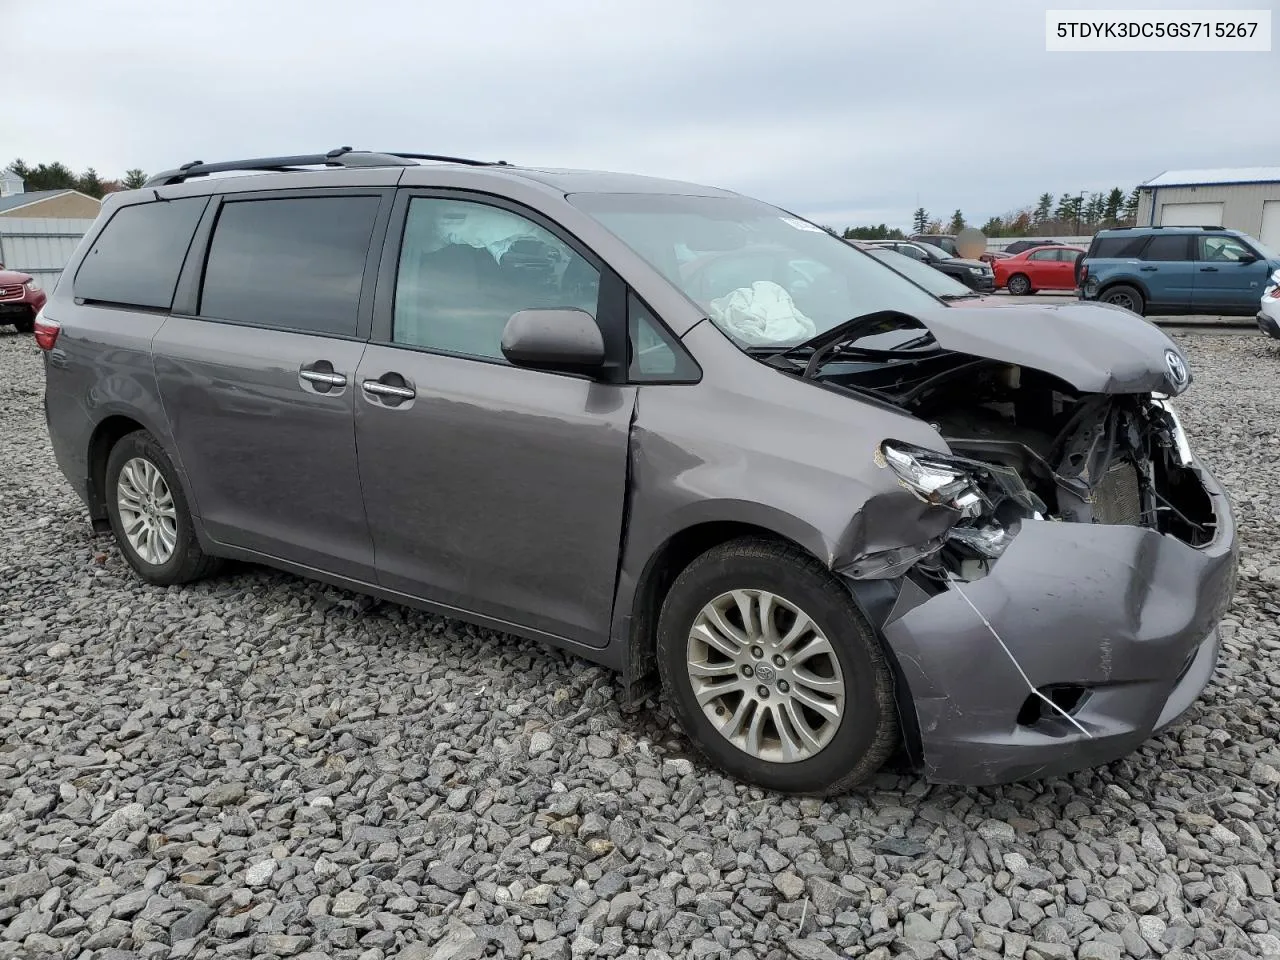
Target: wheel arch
column 1125, row 282
column 109, row 431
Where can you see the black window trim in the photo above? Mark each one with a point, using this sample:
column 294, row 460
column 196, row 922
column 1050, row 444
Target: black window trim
column 182, row 266
column 611, row 307
column 191, row 280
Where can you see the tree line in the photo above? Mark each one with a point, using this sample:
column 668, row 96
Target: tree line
column 58, row 176
column 1076, row 214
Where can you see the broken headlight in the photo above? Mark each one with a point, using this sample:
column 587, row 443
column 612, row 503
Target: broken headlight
column 990, row 499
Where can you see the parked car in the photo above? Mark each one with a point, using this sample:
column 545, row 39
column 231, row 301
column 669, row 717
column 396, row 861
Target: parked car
column 991, row 256
column 20, row 299
column 1040, row 268
column 1018, row 246
column 945, row 242
column 1173, row 270
column 974, row 274
column 943, row 287
column 830, row 512
column 1269, row 309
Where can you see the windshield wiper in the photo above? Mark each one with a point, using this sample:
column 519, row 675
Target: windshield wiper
column 951, row 297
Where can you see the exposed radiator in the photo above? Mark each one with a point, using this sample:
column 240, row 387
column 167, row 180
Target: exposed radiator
column 1118, row 498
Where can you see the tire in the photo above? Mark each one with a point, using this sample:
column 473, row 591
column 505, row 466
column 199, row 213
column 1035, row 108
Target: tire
column 843, row 752
column 24, row 326
column 1123, row 295
column 135, row 459
column 1019, row 285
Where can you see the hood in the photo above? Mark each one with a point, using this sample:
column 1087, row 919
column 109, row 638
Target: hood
column 1095, row 347
column 10, row 277
column 959, row 263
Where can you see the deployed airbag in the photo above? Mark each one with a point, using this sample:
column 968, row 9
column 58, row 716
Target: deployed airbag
column 762, row 314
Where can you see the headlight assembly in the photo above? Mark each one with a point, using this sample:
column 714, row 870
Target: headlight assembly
column 989, row 500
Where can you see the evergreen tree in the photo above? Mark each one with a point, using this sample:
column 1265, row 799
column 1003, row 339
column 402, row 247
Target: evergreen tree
column 920, row 220
column 134, row 178
column 993, row 227
column 1043, row 206
column 957, row 222
column 1131, row 207
column 1113, row 205
column 1093, row 209
column 89, row 182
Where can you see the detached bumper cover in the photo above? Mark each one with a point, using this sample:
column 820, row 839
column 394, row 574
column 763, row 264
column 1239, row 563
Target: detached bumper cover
column 1124, row 612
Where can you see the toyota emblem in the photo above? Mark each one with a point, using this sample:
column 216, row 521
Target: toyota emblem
column 1177, row 368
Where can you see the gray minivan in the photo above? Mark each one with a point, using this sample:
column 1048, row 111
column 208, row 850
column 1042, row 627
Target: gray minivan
column 674, row 430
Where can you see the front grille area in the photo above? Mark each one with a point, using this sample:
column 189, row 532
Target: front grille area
column 1117, row 499
column 10, row 292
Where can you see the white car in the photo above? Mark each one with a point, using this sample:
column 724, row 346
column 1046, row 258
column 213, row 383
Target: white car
column 1269, row 310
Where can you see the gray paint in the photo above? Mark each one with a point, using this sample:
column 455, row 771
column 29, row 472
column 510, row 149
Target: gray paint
column 571, row 488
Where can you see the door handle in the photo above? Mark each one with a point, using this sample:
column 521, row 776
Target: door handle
column 380, row 389
column 1208, row 269
column 1148, row 269
column 321, row 377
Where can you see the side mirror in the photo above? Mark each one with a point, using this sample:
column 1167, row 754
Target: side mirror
column 568, row 341
column 1248, row 259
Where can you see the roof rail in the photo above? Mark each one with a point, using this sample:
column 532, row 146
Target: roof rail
column 1171, row 226
column 340, row 157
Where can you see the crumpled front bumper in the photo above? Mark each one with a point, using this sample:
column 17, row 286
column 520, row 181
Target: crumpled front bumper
column 1124, row 612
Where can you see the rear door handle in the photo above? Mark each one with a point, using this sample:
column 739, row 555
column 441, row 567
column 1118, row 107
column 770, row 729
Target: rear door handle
column 1208, row 269
column 379, row 389
column 1148, row 269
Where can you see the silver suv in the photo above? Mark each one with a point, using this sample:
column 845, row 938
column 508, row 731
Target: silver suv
column 674, row 430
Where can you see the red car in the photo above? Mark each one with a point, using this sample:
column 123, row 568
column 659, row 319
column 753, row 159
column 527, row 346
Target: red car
column 20, row 299
column 1040, row 268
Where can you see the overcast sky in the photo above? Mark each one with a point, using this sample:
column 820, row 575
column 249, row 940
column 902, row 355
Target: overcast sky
column 846, row 112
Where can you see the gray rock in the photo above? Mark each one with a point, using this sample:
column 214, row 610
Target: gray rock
column 789, row 885
column 900, row 847
column 810, row 950
column 191, row 923
column 622, row 906
column 1098, row 950
column 225, row 794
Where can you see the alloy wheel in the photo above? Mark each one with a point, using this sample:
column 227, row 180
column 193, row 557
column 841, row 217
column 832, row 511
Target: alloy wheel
column 765, row 676
column 148, row 515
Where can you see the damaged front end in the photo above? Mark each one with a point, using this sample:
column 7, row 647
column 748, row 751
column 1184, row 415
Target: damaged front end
column 1069, row 609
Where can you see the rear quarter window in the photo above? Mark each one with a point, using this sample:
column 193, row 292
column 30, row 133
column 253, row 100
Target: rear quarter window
column 136, row 258
column 1116, row 247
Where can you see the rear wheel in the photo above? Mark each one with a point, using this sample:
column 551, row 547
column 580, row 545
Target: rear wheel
column 773, row 671
column 149, row 514
column 1019, row 285
column 1123, row 295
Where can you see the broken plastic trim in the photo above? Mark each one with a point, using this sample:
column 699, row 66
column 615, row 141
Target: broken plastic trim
column 955, row 585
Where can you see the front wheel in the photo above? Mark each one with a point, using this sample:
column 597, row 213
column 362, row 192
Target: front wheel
column 149, row 514
column 1019, row 285
column 773, row 671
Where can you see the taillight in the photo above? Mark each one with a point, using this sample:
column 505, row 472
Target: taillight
column 46, row 332
column 1084, row 273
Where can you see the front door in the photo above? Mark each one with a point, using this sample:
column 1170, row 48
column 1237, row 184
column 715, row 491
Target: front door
column 1228, row 274
column 258, row 379
column 490, row 488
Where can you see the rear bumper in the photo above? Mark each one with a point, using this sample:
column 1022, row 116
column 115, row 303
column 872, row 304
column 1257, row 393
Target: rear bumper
column 1123, row 614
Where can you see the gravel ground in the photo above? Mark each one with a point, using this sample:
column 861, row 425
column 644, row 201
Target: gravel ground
column 258, row 766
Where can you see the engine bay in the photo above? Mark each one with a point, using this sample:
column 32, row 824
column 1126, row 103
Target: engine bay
column 1083, row 458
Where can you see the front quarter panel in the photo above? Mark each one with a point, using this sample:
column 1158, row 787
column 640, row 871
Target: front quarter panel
column 752, row 445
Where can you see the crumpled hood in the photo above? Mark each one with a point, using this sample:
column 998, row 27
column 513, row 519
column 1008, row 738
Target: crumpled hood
column 1095, row 347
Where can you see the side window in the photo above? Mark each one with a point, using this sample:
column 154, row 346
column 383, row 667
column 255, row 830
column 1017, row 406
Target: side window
column 1223, row 249
column 136, row 258
column 295, row 263
column 911, row 251
column 1067, row 256
column 466, row 267
column 1044, row 255
column 655, row 356
column 1118, row 247
column 1167, row 247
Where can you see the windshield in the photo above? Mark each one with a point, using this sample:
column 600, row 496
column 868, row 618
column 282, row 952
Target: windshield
column 764, row 277
column 1262, row 248
column 939, row 284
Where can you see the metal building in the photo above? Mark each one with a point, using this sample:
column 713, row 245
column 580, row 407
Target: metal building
column 1243, row 198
